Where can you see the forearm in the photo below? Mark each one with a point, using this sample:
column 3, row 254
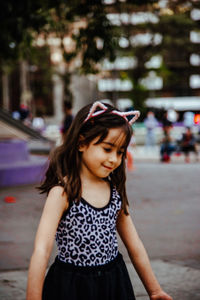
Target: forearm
column 36, row 275
column 140, row 260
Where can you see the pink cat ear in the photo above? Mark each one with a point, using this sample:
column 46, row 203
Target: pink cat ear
column 134, row 113
column 92, row 112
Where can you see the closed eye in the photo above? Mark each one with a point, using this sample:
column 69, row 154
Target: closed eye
column 120, row 152
column 107, row 150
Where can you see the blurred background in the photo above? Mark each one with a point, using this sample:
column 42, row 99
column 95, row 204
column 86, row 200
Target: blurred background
column 56, row 57
column 143, row 54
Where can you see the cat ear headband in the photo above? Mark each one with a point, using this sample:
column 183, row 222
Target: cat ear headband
column 92, row 113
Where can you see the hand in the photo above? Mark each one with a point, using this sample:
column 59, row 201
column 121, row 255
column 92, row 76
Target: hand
column 161, row 295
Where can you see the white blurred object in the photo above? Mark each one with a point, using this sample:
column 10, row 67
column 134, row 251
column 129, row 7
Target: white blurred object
column 123, row 42
column 188, row 119
column 38, row 123
column 16, row 115
column 195, row 59
column 145, row 39
column 121, row 63
column 195, row 81
column 124, row 103
column 195, row 14
column 195, row 37
column 150, row 123
column 52, row 132
column 155, row 62
column 178, row 103
column 109, row 84
column 152, row 81
column 143, row 17
column 172, row 115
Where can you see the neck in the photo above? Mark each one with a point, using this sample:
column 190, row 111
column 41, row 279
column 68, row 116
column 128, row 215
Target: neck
column 91, row 179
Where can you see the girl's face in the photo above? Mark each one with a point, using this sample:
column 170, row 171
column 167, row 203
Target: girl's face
column 99, row 160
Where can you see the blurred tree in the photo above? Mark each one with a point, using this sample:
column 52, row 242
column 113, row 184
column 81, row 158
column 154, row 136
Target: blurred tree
column 28, row 28
column 91, row 37
column 83, row 21
column 174, row 26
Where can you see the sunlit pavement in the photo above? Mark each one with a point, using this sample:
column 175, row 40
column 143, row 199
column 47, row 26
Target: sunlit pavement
column 164, row 203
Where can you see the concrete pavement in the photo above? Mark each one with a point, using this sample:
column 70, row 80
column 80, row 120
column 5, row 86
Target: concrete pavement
column 164, row 203
column 152, row 154
column 181, row 282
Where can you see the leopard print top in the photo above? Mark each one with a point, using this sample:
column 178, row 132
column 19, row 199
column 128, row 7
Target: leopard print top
column 86, row 235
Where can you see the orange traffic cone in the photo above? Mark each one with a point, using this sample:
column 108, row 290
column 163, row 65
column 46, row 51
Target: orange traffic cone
column 130, row 161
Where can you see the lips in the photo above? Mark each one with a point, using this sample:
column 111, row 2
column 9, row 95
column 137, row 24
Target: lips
column 108, row 168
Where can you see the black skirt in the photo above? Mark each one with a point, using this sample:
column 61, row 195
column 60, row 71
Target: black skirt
column 107, row 282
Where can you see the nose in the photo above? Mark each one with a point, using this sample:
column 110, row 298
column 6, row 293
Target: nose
column 113, row 157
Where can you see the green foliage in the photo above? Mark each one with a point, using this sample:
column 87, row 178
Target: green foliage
column 18, row 21
column 138, row 96
column 21, row 22
column 41, row 79
column 175, row 25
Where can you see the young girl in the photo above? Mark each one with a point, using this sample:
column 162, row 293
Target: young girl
column 86, row 204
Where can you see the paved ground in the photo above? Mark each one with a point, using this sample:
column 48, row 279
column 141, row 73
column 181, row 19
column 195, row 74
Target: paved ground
column 164, row 202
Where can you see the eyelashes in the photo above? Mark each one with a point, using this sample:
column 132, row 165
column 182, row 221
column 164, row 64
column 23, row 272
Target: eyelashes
column 108, row 150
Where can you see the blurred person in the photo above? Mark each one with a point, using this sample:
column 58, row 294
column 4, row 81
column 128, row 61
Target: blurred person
column 68, row 117
column 198, row 135
column 23, row 114
column 188, row 119
column 188, row 144
column 150, row 123
column 166, row 123
column 167, row 145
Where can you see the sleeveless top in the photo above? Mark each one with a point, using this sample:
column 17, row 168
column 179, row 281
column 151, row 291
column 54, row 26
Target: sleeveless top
column 86, row 235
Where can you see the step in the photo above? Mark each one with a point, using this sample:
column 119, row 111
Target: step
column 13, row 150
column 30, row 171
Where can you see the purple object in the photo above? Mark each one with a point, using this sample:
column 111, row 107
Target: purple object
column 17, row 166
column 13, row 151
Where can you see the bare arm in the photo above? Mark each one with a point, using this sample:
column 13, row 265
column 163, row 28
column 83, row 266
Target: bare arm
column 139, row 257
column 55, row 205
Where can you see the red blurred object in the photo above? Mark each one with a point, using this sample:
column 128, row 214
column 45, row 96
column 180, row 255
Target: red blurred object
column 178, row 153
column 166, row 158
column 10, row 199
column 197, row 118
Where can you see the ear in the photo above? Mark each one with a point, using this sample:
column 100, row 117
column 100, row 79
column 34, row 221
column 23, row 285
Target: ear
column 81, row 144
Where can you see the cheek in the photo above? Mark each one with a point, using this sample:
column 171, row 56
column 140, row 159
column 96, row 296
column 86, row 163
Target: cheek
column 119, row 161
column 94, row 154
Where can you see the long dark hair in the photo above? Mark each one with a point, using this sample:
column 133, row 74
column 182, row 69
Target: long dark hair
column 65, row 160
